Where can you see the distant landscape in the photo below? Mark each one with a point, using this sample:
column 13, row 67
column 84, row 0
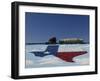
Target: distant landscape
column 53, row 40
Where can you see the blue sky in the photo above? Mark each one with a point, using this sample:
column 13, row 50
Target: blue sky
column 39, row 27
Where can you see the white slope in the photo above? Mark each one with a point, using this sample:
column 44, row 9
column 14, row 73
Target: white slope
column 33, row 61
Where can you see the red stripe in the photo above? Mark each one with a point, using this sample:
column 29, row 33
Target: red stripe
column 68, row 56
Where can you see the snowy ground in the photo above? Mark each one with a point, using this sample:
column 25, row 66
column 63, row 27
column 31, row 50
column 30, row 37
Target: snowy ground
column 33, row 61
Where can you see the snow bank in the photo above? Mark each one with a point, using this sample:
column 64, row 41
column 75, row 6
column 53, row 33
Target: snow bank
column 33, row 61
